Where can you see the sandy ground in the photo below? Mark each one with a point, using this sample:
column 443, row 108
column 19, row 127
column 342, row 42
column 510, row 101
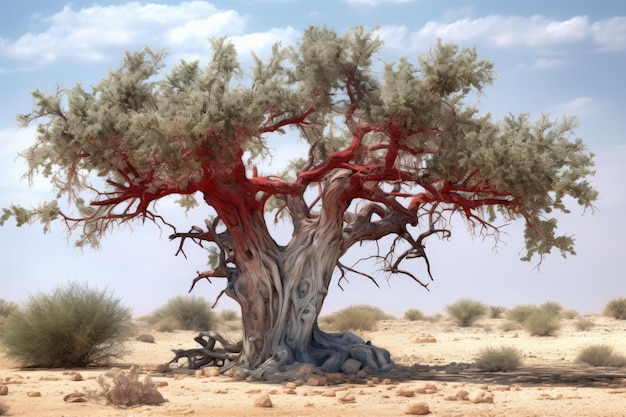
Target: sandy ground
column 550, row 382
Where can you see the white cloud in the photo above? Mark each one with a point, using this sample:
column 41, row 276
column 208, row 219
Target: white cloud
column 545, row 64
column 89, row 33
column 610, row 34
column 375, row 3
column 579, row 106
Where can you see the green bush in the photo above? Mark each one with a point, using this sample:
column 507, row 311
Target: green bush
column 542, row 322
column 466, row 311
column 552, row 307
column 357, row 317
column 500, row 359
column 191, row 312
column 616, row 308
column 520, row 313
column 601, row 355
column 414, row 314
column 74, row 326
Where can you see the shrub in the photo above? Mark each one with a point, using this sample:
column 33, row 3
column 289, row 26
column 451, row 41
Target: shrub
column 74, row 326
column 466, row 311
column 570, row 314
column 510, row 325
column 126, row 390
column 167, row 324
column 552, row 307
column 616, row 308
column 358, row 317
column 500, row 359
column 601, row 355
column 495, row 312
column 7, row 307
column 583, row 324
column 520, row 313
column 229, row 315
column 191, row 313
column 542, row 322
column 414, row 314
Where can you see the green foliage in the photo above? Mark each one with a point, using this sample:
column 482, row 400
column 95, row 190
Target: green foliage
column 125, row 389
column 356, row 317
column 72, row 326
column 601, row 355
column 616, row 308
column 542, row 322
column 466, row 311
column 414, row 314
column 520, row 313
column 190, row 312
column 552, row 307
column 502, row 359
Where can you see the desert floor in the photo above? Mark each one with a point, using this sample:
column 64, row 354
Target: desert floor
column 549, row 383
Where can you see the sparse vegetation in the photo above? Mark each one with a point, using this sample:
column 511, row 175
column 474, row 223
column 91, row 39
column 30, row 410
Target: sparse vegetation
column 189, row 312
column 616, row 308
column 509, row 326
column 166, row 324
column 74, row 326
column 466, row 311
column 229, row 315
column 520, row 313
column 501, row 359
column 125, row 389
column 414, row 314
column 601, row 355
column 570, row 314
column 496, row 312
column 7, row 307
column 356, row 317
column 542, row 322
column 583, row 324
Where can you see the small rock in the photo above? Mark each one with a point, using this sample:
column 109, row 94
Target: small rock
column 304, row 369
column 289, row 391
column 76, row 377
column 49, row 378
column 211, row 371
column 4, row 390
column 161, row 384
column 316, row 381
column 480, row 396
column 145, row 337
column 264, row 402
column 427, row 339
column 405, row 392
column 417, row 409
column 290, row 385
column 347, row 399
column 329, row 394
column 75, row 397
column 351, row 366
column 162, row 368
column 199, row 373
column 462, row 394
column 34, row 394
column 112, row 372
column 334, row 377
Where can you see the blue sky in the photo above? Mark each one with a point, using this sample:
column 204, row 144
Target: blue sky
column 557, row 57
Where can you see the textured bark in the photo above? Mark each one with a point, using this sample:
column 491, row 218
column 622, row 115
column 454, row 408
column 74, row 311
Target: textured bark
column 281, row 290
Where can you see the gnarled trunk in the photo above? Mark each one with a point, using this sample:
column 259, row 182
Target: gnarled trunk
column 281, row 291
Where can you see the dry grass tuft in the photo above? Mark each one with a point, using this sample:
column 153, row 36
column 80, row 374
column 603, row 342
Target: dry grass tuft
column 502, row 359
column 124, row 389
column 601, row 355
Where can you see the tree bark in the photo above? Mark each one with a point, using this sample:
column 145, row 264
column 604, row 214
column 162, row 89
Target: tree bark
column 281, row 290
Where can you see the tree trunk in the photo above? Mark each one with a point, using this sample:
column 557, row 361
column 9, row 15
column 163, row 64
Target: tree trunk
column 281, row 291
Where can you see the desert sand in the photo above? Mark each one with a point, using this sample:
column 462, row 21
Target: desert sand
column 432, row 369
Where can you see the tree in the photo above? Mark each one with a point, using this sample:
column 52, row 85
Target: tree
column 397, row 154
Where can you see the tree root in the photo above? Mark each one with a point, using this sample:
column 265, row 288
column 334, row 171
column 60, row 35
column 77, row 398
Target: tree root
column 208, row 355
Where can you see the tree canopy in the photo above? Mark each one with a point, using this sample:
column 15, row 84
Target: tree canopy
column 394, row 149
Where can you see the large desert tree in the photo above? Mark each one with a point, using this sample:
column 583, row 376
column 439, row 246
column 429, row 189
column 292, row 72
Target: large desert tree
column 393, row 150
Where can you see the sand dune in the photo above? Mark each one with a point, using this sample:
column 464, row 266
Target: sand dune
column 433, row 370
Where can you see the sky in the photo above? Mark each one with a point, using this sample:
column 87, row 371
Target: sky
column 562, row 57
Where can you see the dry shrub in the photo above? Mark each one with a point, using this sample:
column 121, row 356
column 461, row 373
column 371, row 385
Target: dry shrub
column 124, row 389
column 520, row 313
column 502, row 359
column 509, row 326
column 601, row 355
column 166, row 324
column 570, row 314
column 582, row 324
column 542, row 323
column 414, row 314
column 229, row 315
column 616, row 308
column 496, row 312
column 357, row 317
column 191, row 313
column 466, row 311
